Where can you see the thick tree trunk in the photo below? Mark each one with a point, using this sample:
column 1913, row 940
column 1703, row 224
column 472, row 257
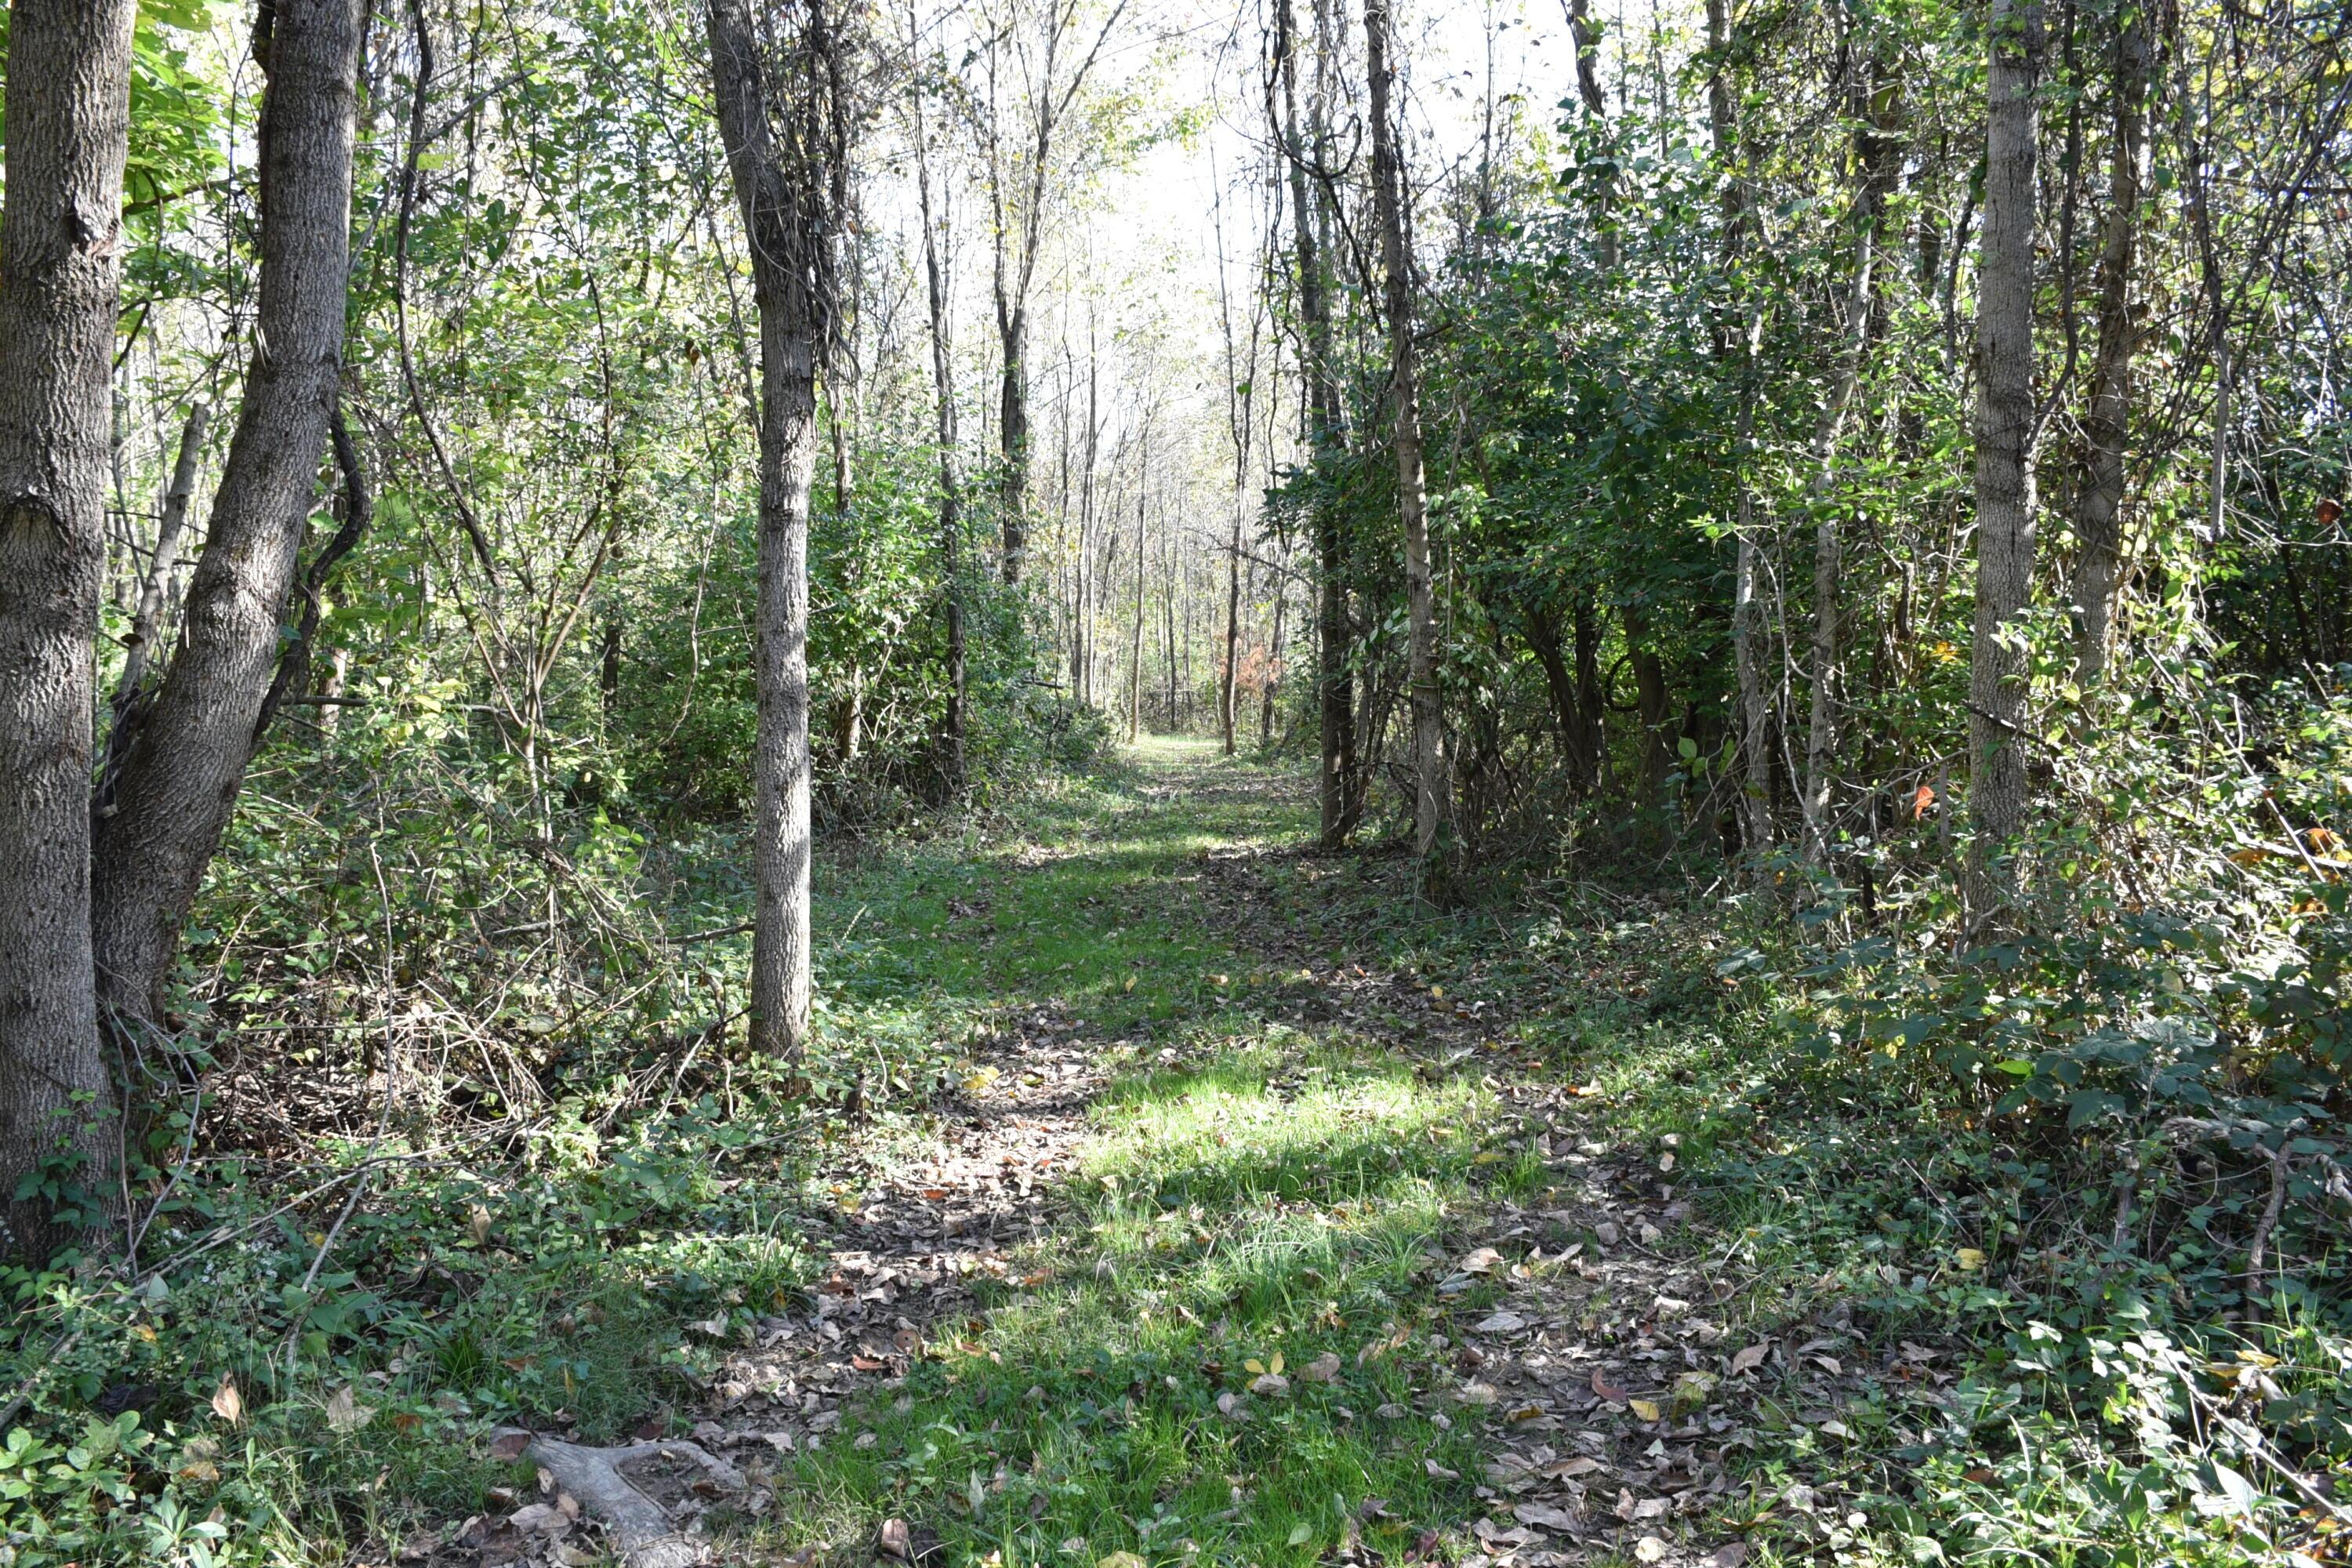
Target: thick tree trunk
column 1421, row 612
column 788, row 215
column 2004, row 441
column 67, row 129
column 182, row 766
column 2099, row 494
column 935, row 278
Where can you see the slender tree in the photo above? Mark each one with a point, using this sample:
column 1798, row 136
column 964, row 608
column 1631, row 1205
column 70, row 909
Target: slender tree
column 786, row 122
column 1335, row 701
column 2005, row 426
column 1396, row 259
column 67, row 132
column 935, row 281
column 2099, row 491
column 161, row 813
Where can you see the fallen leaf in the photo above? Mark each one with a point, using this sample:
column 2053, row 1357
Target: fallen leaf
column 1753, row 1356
column 346, row 1413
column 1505, row 1322
column 1580, row 1466
column 1544, row 1516
column 1439, row 1472
column 1971, row 1260
column 540, row 1519
column 1120, row 1560
column 1606, row 1389
column 227, row 1403
column 893, row 1539
column 1482, row 1261
column 1650, row 1548
column 1270, row 1383
column 1647, row 1409
column 1478, row 1394
column 477, row 1222
column 1324, row 1368
column 1730, row 1554
column 508, row 1445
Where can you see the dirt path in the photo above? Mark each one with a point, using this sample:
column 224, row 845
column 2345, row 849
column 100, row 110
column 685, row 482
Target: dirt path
column 1554, row 1323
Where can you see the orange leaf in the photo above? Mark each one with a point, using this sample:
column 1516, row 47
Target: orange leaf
column 1921, row 799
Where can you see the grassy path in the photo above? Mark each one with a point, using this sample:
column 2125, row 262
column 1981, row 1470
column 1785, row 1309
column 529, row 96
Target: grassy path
column 1231, row 1246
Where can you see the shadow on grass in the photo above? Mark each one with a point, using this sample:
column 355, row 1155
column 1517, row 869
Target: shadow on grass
column 1221, row 1362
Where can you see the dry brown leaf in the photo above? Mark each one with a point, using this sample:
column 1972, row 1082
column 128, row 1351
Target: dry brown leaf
column 1752, row 1357
column 228, row 1403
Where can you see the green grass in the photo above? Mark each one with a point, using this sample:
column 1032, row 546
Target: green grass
column 1255, row 1195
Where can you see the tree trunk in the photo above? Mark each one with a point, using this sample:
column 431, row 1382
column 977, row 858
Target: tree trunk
column 1228, row 697
column 951, row 723
column 67, row 129
column 2099, row 494
column 184, row 760
column 1135, row 644
column 791, row 189
column 2004, row 439
column 1335, row 694
column 1652, row 705
column 1879, row 146
column 1428, row 718
column 1749, row 630
column 1272, row 670
column 148, row 619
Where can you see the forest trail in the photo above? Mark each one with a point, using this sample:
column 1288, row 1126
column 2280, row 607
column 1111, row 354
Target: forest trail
column 1238, row 1242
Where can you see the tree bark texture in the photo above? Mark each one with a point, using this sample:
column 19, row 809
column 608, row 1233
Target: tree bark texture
column 185, row 759
column 68, row 131
column 790, row 197
column 2004, row 441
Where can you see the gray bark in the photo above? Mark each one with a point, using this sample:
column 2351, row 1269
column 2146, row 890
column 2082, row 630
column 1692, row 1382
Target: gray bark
column 185, row 759
column 2004, row 439
column 2098, row 500
column 791, row 191
column 1428, row 717
column 67, row 130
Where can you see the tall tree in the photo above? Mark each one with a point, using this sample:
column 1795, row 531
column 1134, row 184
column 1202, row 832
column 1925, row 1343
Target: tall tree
column 1879, row 142
column 67, row 135
column 785, row 117
column 2005, row 426
column 160, row 814
column 935, row 281
column 2099, row 490
column 1421, row 612
column 1020, row 178
column 1335, row 699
